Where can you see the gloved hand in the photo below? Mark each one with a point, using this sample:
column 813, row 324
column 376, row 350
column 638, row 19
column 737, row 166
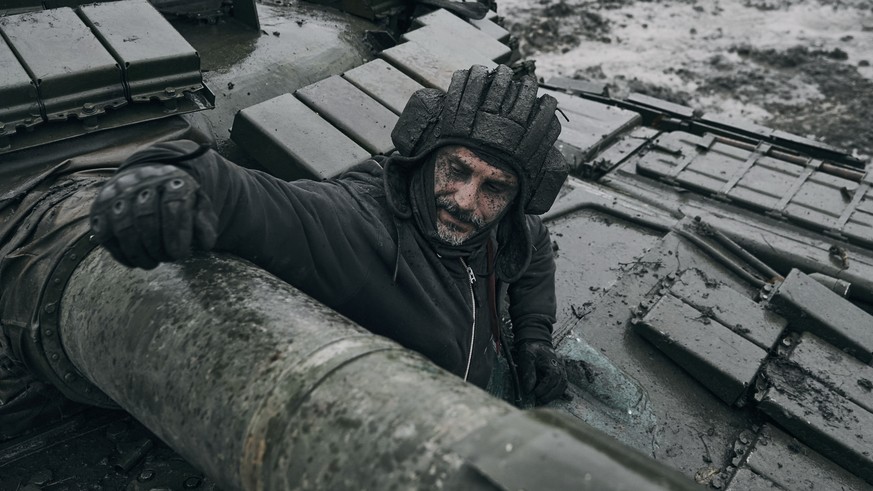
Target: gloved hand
column 540, row 371
column 152, row 213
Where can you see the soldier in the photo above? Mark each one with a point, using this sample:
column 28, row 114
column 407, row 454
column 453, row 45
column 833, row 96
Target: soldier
column 419, row 249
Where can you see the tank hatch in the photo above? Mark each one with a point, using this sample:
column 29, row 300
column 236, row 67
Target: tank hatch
column 96, row 67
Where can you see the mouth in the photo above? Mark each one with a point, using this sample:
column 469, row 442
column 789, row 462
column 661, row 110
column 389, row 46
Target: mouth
column 452, row 222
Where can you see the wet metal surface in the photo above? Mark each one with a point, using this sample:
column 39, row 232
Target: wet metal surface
column 384, row 83
column 746, row 479
column 490, row 27
column 819, row 417
column 264, row 388
column 348, row 108
column 590, row 126
column 780, row 244
column 299, row 43
column 441, row 26
column 810, row 192
column 95, row 449
column 261, row 362
column 835, row 368
column 692, row 428
column 781, row 459
column 762, row 132
column 126, row 52
column 719, row 358
column 592, row 250
column 576, row 86
column 661, row 105
column 729, row 307
column 294, row 142
column 811, row 306
column 157, row 61
column 432, row 65
column 607, row 159
column 15, row 85
column 73, row 72
column 589, row 266
column 504, row 450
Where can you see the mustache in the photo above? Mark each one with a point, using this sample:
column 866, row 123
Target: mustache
column 446, row 203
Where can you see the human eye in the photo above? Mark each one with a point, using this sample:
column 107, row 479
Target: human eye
column 495, row 188
column 457, row 169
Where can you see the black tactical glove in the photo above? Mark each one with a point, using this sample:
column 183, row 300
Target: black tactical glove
column 152, row 213
column 540, row 371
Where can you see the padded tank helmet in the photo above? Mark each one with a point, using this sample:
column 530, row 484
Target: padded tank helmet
column 501, row 120
column 498, row 118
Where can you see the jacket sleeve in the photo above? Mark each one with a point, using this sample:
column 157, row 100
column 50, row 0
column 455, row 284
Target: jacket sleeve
column 532, row 298
column 305, row 232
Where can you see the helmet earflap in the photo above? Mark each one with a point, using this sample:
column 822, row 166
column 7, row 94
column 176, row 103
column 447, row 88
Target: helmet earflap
column 546, row 189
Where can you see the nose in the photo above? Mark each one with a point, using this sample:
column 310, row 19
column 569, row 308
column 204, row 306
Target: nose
column 465, row 197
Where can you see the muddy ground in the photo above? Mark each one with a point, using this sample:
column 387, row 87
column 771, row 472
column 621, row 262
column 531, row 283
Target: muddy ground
column 803, row 66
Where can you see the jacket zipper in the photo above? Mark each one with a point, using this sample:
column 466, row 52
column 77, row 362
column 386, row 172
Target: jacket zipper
column 472, row 278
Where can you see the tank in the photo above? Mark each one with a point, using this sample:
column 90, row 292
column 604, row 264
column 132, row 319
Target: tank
column 714, row 276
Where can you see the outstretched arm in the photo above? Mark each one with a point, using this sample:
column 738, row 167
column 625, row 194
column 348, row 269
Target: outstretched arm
column 174, row 197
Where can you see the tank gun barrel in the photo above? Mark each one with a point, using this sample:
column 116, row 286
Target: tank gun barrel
column 264, row 388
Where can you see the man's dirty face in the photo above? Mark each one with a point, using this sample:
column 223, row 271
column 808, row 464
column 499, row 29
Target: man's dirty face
column 470, row 193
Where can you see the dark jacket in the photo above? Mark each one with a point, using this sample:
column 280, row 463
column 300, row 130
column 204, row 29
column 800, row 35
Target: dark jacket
column 336, row 241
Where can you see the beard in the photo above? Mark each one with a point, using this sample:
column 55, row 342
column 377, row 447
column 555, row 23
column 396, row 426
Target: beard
column 448, row 232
